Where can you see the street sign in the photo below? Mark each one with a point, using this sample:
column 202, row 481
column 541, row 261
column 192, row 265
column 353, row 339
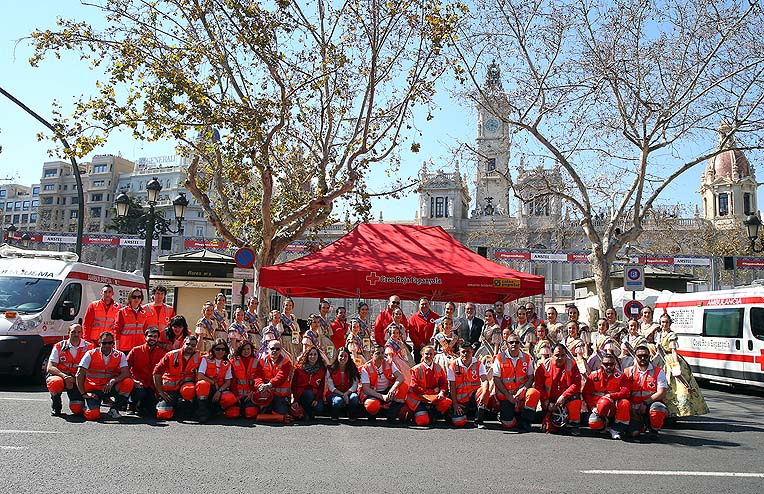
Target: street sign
column 244, row 257
column 633, row 277
column 244, row 274
column 632, row 309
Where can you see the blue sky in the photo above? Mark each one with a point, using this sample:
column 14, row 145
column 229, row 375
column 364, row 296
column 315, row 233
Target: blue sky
column 66, row 79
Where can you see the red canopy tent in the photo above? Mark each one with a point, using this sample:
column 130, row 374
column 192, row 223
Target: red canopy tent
column 378, row 260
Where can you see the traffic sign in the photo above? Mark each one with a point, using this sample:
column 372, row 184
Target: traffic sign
column 632, row 308
column 633, row 277
column 244, row 257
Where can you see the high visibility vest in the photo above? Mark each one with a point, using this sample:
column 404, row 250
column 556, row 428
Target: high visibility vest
column 387, row 371
column 419, row 371
column 466, row 380
column 159, row 318
column 99, row 373
column 133, row 325
column 243, row 376
column 513, row 376
column 66, row 363
column 341, row 380
column 604, row 384
column 103, row 320
column 216, row 374
column 642, row 386
column 548, row 375
column 270, row 369
column 177, row 371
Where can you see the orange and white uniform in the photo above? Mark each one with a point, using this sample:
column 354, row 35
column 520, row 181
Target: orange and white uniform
column 642, row 385
column 129, row 327
column 99, row 317
column 607, row 396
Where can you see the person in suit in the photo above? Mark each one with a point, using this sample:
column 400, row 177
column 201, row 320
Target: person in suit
column 470, row 326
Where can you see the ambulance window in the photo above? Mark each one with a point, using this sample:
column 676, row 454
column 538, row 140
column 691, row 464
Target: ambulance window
column 723, row 323
column 757, row 322
column 72, row 293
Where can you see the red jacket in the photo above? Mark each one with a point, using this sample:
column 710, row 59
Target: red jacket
column 276, row 373
column 129, row 328
column 339, row 331
column 302, row 382
column 598, row 384
column 142, row 360
column 553, row 382
column 421, row 329
column 424, row 381
column 381, row 323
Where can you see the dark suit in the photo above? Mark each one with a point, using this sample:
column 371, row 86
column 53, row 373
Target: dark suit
column 470, row 335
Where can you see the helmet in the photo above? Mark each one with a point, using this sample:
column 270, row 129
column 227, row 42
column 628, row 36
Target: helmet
column 459, row 420
column 559, row 417
column 296, row 411
column 263, row 398
column 372, row 406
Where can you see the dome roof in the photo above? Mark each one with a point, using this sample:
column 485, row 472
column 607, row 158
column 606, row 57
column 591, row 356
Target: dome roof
column 729, row 164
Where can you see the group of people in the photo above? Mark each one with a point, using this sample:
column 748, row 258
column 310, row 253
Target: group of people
column 624, row 379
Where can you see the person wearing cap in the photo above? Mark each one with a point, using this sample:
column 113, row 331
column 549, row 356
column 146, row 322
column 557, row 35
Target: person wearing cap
column 512, row 377
column 648, row 386
column 557, row 384
column 103, row 372
column 141, row 361
column 175, row 379
column 62, row 367
column 606, row 393
column 382, row 385
column 428, row 389
column 468, row 387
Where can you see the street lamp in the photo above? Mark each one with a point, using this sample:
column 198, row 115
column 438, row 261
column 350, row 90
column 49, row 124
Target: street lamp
column 752, row 224
column 25, row 239
column 11, row 229
column 152, row 225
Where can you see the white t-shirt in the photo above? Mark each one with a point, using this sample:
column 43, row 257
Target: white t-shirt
column 56, row 358
column 85, row 362
column 452, row 375
column 496, row 366
column 382, row 382
column 203, row 367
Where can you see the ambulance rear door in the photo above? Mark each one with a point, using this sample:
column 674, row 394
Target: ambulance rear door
column 754, row 346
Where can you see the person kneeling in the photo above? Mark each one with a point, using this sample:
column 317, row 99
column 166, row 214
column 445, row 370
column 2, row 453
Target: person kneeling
column 103, row 372
column 468, row 386
column 213, row 381
column 512, row 378
column 382, row 385
column 175, row 377
column 648, row 386
column 606, row 393
column 427, row 391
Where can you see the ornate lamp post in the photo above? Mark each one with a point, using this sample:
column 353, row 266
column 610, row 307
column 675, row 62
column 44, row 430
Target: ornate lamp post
column 151, row 225
column 10, row 232
column 752, row 224
column 25, row 239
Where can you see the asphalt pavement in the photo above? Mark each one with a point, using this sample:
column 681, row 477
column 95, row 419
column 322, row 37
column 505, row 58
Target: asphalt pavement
column 719, row 452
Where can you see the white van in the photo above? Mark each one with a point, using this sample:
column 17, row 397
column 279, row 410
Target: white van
column 721, row 333
column 41, row 294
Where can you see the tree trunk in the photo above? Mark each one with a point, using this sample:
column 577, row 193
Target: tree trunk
column 601, row 264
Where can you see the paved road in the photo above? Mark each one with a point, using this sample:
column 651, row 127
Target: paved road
column 39, row 453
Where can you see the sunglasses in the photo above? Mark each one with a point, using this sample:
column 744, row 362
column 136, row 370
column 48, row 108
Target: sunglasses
column 107, row 343
column 275, row 349
column 219, row 349
column 608, row 364
column 395, row 303
column 513, row 342
column 643, row 356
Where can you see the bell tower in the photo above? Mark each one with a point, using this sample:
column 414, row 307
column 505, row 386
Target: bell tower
column 492, row 178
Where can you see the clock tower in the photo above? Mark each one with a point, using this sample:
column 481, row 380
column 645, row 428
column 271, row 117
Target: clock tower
column 492, row 180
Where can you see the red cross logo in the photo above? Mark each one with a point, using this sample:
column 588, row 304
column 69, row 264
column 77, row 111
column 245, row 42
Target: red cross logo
column 760, row 359
column 372, row 278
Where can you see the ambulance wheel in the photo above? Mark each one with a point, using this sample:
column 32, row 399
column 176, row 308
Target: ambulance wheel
column 41, row 365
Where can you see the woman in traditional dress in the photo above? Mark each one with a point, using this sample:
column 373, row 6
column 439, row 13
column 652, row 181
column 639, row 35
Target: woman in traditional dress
column 208, row 329
column 542, row 350
column 648, row 327
column 355, row 343
column 633, row 335
column 555, row 328
column 577, row 347
column 602, row 334
column 220, row 313
column 290, row 336
column 684, row 397
column 272, row 331
column 396, row 347
column 446, row 342
column 237, row 331
column 367, row 325
column 490, row 336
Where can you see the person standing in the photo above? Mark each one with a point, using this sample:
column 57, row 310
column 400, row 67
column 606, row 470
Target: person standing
column 556, row 329
column 62, row 368
column 131, row 323
column 142, row 360
column 616, row 328
column 503, row 320
column 158, row 314
column 384, row 319
column 533, row 318
column 208, row 328
column 340, row 328
column 250, row 315
column 524, row 328
column 237, row 331
column 422, row 327
column 100, row 315
column 470, row 326
column 103, row 372
column 220, row 314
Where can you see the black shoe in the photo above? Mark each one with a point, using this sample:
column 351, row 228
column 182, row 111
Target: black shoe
column 56, row 405
column 574, row 431
column 55, row 412
column 653, row 435
column 524, row 427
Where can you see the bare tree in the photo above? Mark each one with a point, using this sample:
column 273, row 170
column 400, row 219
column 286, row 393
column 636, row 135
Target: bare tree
column 282, row 107
column 623, row 96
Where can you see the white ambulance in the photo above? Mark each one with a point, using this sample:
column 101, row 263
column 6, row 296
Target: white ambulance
column 41, row 294
column 721, row 333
